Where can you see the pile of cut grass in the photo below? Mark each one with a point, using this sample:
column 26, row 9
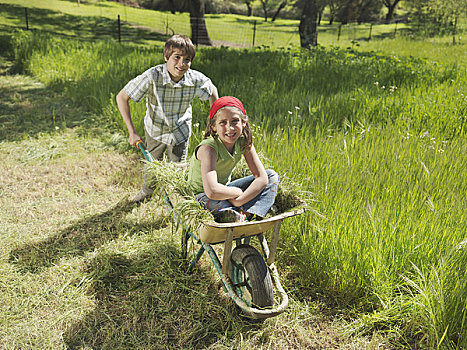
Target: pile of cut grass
column 170, row 179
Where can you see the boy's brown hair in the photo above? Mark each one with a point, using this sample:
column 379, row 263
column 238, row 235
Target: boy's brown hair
column 181, row 42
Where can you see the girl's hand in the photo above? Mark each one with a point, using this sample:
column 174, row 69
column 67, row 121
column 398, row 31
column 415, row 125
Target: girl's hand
column 258, row 184
column 212, row 188
column 235, row 202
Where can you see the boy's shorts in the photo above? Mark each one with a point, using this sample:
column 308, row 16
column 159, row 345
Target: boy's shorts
column 177, row 153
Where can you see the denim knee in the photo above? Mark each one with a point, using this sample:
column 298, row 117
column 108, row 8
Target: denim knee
column 273, row 177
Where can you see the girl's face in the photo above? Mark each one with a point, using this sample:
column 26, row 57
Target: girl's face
column 177, row 64
column 228, row 125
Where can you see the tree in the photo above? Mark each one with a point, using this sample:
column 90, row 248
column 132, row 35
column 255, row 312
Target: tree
column 173, row 6
column 433, row 17
column 268, row 5
column 199, row 32
column 450, row 11
column 249, row 6
column 281, row 6
column 264, row 4
column 358, row 10
column 333, row 6
column 308, row 27
column 368, row 10
column 391, row 6
column 321, row 4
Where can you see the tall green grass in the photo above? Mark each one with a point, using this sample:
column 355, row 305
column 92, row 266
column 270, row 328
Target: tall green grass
column 395, row 208
column 438, row 50
column 379, row 140
column 313, row 86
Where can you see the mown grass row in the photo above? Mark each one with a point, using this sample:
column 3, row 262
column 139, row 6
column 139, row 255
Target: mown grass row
column 379, row 140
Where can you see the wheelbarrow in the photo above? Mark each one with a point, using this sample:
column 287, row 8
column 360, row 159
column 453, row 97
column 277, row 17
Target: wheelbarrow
column 250, row 278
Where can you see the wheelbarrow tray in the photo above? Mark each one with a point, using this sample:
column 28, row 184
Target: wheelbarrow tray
column 214, row 232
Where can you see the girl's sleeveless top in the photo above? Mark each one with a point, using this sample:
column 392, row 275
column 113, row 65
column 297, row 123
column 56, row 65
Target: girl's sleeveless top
column 226, row 162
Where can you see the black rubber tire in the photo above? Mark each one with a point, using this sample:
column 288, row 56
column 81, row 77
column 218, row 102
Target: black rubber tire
column 252, row 273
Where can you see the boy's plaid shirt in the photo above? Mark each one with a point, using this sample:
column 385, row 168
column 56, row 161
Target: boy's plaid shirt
column 168, row 104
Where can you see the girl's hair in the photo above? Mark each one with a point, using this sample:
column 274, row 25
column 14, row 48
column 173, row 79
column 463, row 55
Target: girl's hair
column 246, row 130
column 181, row 42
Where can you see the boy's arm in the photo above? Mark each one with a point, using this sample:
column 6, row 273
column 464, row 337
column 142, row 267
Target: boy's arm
column 213, row 189
column 214, row 96
column 124, row 107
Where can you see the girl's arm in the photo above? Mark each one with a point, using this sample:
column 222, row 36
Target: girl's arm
column 258, row 184
column 213, row 189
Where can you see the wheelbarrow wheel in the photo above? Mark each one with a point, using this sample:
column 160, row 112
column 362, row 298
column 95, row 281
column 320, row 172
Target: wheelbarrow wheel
column 250, row 276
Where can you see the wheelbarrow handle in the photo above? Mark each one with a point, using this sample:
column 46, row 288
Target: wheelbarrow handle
column 140, row 144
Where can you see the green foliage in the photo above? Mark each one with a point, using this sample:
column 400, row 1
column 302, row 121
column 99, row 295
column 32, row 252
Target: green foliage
column 436, row 17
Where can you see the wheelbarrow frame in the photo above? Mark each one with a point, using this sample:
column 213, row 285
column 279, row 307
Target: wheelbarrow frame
column 217, row 233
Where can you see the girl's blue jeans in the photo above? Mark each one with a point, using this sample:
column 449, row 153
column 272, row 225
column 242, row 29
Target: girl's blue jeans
column 259, row 205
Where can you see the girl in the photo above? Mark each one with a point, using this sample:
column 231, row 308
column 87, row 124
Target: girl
column 227, row 138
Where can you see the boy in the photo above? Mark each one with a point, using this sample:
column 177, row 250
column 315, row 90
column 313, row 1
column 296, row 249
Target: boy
column 169, row 88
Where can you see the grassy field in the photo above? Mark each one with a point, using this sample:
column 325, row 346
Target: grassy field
column 96, row 19
column 378, row 138
column 83, row 268
column 99, row 19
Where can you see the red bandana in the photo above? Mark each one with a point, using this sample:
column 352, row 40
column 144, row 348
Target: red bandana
column 225, row 101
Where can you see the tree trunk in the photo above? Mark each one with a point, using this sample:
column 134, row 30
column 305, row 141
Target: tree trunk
column 199, row 32
column 281, row 6
column 265, row 9
column 249, row 7
column 308, row 28
column 173, row 7
column 391, row 8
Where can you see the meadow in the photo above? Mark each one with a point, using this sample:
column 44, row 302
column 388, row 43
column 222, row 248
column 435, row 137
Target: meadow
column 376, row 137
column 144, row 26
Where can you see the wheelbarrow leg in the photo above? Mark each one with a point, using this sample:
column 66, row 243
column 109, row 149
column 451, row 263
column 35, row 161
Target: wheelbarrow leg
column 227, row 251
column 196, row 258
column 275, row 238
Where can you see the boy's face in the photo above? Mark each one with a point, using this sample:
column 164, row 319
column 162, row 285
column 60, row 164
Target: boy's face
column 177, row 64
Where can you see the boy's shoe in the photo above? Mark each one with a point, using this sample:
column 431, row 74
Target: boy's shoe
column 141, row 196
column 229, row 215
